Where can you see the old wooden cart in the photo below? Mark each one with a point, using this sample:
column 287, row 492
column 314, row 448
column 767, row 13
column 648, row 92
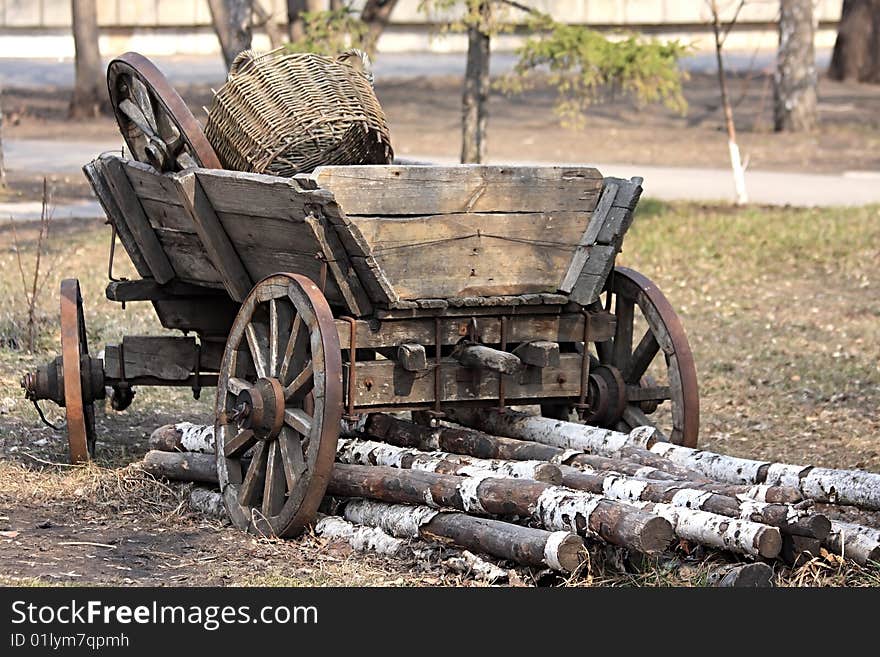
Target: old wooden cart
column 312, row 300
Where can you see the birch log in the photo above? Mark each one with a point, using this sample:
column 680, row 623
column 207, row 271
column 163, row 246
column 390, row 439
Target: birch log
column 855, row 487
column 554, row 507
column 208, row 502
column 615, row 486
column 370, row 452
column 559, row 433
column 560, row 550
column 183, row 437
column 861, row 544
column 721, row 532
column 181, row 466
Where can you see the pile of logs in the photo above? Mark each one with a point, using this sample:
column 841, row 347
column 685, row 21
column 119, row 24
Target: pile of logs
column 533, row 490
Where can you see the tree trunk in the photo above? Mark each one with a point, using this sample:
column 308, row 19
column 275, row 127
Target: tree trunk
column 181, row 466
column 856, row 54
column 370, row 452
column 376, row 14
column 794, row 83
column 295, row 10
column 556, row 508
column 861, row 544
column 532, row 547
column 476, row 91
column 90, row 89
column 232, row 23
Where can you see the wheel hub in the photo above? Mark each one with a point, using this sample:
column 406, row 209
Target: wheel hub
column 607, row 395
column 260, row 408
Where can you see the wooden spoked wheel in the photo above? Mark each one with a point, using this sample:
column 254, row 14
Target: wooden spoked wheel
column 279, row 406
column 78, row 378
column 651, row 355
column 156, row 124
column 644, row 375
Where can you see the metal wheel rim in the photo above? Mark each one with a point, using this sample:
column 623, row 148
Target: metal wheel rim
column 280, row 467
column 80, row 416
column 171, row 103
column 672, row 340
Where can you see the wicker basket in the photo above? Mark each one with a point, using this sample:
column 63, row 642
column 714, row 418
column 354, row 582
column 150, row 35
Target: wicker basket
column 285, row 113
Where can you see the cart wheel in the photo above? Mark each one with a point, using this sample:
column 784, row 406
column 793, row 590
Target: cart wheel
column 279, row 406
column 157, row 125
column 663, row 388
column 79, row 375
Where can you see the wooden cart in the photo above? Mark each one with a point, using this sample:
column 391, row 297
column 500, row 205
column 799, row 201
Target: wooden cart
column 312, row 300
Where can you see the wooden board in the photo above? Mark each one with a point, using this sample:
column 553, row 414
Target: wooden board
column 187, row 257
column 520, row 328
column 167, row 215
column 429, row 190
column 384, row 383
column 475, row 254
column 171, row 358
column 148, row 183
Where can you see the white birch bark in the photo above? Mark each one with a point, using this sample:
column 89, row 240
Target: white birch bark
column 206, row 501
column 370, row 452
column 183, row 437
column 861, row 544
column 721, row 532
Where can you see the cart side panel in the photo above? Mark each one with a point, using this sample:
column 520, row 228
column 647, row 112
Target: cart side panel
column 277, row 225
column 466, row 231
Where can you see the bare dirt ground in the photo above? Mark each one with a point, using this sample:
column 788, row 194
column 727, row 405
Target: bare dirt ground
column 781, row 307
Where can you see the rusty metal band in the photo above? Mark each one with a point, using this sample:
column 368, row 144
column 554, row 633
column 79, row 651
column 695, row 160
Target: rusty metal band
column 352, row 360
column 585, row 363
column 77, row 436
column 503, row 337
column 438, row 386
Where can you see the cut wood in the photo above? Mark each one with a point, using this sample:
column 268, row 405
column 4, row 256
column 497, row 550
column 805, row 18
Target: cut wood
column 620, row 487
column 369, row 452
column 855, row 487
column 559, row 433
column 181, row 466
column 412, row 357
column 554, row 507
column 478, row 356
column 742, row 575
column 861, row 544
column 721, row 532
column 207, row 501
column 559, row 550
column 183, row 437
column 540, row 353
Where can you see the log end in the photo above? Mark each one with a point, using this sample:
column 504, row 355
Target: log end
column 549, row 473
column 768, row 542
column 815, row 526
column 565, row 551
column 783, row 495
column 166, row 438
column 747, row 575
column 655, row 535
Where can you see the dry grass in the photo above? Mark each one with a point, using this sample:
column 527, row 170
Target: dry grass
column 781, row 307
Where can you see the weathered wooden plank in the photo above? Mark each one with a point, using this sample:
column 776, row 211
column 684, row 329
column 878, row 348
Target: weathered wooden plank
column 582, row 253
column 617, row 222
column 167, row 215
column 94, row 172
column 421, row 190
column 135, row 218
column 412, row 357
column 628, row 193
column 149, row 290
column 384, row 382
column 259, row 195
column 595, row 272
column 340, row 268
column 215, row 242
column 149, row 183
column 520, row 328
column 474, row 254
column 171, row 358
column 538, row 353
column 187, row 257
column 211, row 316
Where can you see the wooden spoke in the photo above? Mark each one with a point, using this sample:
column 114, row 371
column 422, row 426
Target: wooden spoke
column 241, row 443
column 642, row 357
column 257, row 348
column 303, row 380
column 291, row 451
column 652, row 393
column 236, row 385
column 623, row 334
column 141, row 96
column 605, row 351
column 274, row 488
column 273, row 337
column 635, row 417
column 253, row 479
column 291, row 344
column 299, row 420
